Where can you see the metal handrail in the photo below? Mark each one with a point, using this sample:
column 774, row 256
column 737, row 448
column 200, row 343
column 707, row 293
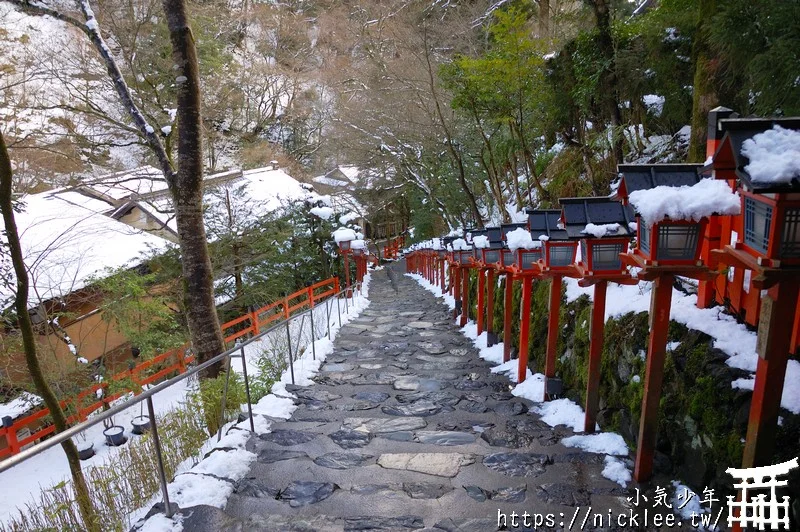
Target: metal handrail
column 148, row 396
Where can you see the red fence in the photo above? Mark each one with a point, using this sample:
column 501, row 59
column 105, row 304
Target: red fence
column 245, row 325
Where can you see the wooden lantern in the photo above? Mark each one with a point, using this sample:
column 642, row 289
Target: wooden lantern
column 604, row 228
column 558, row 251
column 507, row 257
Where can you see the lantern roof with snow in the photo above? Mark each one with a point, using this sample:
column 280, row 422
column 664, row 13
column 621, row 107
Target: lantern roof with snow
column 545, row 224
column 634, row 177
column 764, row 154
column 597, row 217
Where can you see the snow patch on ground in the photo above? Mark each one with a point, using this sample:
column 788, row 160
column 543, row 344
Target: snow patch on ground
column 603, row 443
column 616, row 471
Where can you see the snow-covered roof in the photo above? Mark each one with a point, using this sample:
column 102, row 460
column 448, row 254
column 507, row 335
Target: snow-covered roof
column 706, row 198
column 19, row 406
column 774, row 155
column 520, row 238
column 350, row 172
column 65, row 241
column 343, row 234
column 331, row 182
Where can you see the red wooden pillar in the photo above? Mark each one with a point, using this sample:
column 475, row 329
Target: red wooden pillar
column 442, row 280
column 660, row 302
column 507, row 312
column 457, row 290
column 595, row 354
column 347, row 273
column 552, row 328
column 490, row 340
column 711, row 240
column 774, row 341
column 524, row 327
column 464, row 296
column 481, row 299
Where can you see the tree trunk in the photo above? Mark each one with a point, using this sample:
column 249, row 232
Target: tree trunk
column 187, row 192
column 544, row 19
column 85, row 506
column 605, row 42
column 704, row 95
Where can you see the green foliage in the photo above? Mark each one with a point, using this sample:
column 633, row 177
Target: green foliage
column 759, row 45
column 270, row 366
column 143, row 314
column 206, row 401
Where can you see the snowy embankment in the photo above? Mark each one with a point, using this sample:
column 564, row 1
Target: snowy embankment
column 558, row 412
column 50, row 467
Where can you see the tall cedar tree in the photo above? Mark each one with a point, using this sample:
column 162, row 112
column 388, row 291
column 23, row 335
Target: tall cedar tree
column 186, row 187
column 29, row 343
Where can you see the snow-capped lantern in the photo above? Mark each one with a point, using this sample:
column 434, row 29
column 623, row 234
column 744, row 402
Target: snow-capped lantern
column 558, row 251
column 508, row 258
column 604, row 228
column 762, row 157
column 343, row 237
column 358, row 247
column 527, row 251
column 492, row 252
column 479, row 240
column 671, row 218
column 461, row 251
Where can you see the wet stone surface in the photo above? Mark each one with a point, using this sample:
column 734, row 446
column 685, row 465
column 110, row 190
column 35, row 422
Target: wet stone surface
column 302, row 493
column 406, row 428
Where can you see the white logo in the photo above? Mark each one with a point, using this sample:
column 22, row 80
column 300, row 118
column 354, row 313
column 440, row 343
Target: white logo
column 758, row 510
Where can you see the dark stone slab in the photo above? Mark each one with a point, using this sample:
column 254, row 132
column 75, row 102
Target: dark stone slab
column 416, row 409
column 371, row 489
column 287, row 437
column 384, row 425
column 350, row 439
column 517, row 464
column 252, row 487
column 399, row 436
column 373, row 397
column 432, row 348
column 343, row 460
column 315, row 406
column 316, row 394
column 506, row 494
column 375, row 379
column 404, row 522
column 303, row 493
column 579, row 457
column 270, row 456
column 302, row 415
column 497, row 437
column 510, row 494
column 473, row 407
column 439, row 398
column 357, row 405
column 502, row 396
column 447, row 438
column 426, row 490
column 477, row 493
column 510, row 408
column 465, row 426
column 469, row 385
column 563, row 494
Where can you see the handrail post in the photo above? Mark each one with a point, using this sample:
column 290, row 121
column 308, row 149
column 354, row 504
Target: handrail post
column 291, row 361
column 247, row 391
column 339, row 310
column 328, row 314
column 313, row 335
column 224, row 399
column 162, row 475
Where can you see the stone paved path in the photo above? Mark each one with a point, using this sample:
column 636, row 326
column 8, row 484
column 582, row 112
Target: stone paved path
column 407, row 428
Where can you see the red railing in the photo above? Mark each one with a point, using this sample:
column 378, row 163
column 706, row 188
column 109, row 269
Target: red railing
column 255, row 320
